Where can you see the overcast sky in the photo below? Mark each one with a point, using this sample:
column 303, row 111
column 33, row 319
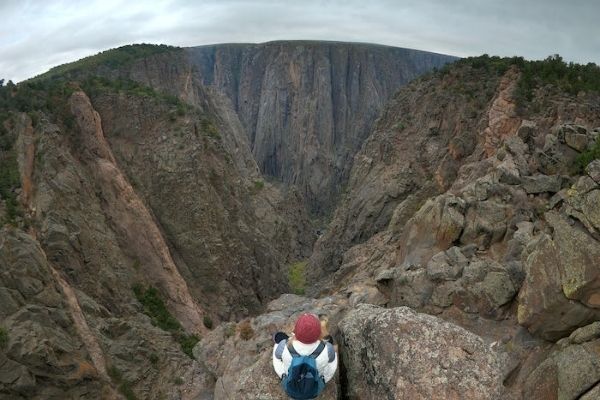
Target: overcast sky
column 37, row 35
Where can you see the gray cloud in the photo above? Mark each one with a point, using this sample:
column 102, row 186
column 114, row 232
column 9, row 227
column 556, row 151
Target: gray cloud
column 37, row 35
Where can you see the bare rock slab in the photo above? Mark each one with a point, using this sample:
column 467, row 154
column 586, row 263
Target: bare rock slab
column 401, row 354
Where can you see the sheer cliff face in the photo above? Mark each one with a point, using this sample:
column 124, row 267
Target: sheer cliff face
column 307, row 107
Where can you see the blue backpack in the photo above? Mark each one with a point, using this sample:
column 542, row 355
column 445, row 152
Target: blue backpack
column 303, row 380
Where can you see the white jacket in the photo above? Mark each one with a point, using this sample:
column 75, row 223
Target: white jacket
column 326, row 361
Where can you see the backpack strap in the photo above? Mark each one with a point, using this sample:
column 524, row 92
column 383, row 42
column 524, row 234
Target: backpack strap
column 292, row 351
column 318, row 350
column 314, row 354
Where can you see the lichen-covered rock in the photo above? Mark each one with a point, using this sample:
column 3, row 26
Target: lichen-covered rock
column 570, row 371
column 400, row 354
column 446, row 265
column 472, row 284
column 433, row 228
column 576, row 141
column 593, row 170
column 579, row 258
column 558, row 272
column 485, row 223
column 591, row 209
column 541, row 183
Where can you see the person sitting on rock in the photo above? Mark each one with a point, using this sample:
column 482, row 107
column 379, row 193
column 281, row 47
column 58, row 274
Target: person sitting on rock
column 304, row 362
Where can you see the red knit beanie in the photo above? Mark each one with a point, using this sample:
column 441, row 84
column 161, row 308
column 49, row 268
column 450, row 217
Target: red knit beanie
column 308, row 328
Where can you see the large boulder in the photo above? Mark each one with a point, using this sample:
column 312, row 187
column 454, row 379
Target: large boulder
column 572, row 371
column 580, row 258
column 593, row 170
column 473, row 284
column 485, row 223
column 437, row 224
column 561, row 289
column 401, row 354
column 541, row 183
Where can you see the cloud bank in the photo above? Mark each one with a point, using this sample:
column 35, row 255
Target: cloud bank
column 36, row 35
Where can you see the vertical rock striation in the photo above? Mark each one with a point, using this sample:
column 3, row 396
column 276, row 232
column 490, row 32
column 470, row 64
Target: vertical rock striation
column 308, row 106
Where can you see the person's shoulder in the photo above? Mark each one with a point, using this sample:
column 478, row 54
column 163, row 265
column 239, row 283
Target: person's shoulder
column 280, row 348
column 330, row 350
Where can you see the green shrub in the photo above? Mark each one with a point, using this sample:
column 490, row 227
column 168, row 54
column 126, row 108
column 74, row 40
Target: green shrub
column 136, row 264
column 123, row 384
column 114, row 373
column 96, row 85
column 127, row 391
column 297, row 278
column 209, row 128
column 3, row 338
column 587, row 157
column 47, row 97
column 153, row 358
column 257, row 186
column 10, row 180
column 229, row 330
column 155, row 308
column 187, row 343
column 567, row 77
column 207, row 320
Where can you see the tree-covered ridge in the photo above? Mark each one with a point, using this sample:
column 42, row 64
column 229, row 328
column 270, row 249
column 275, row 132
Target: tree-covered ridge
column 570, row 78
column 112, row 58
column 49, row 96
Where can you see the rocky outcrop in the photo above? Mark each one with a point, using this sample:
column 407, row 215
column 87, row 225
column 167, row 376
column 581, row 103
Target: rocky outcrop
column 105, row 343
column 41, row 354
column 414, row 153
column 400, row 354
column 132, row 221
column 188, row 179
column 572, row 371
column 308, row 106
column 502, row 115
column 106, row 226
column 507, row 250
column 239, row 356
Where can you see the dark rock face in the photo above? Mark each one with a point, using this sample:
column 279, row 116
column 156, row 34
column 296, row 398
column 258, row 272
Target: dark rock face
column 41, row 344
column 308, row 106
